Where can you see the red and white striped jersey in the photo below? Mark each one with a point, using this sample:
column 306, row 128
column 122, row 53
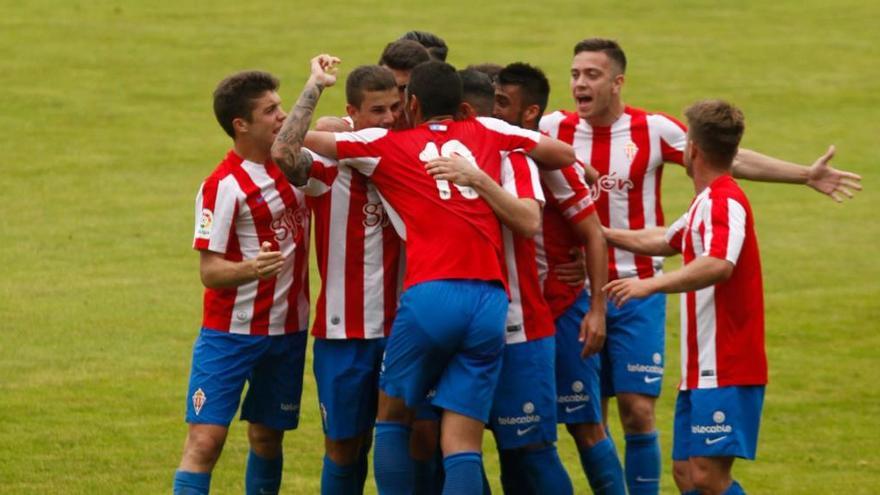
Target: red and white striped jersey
column 722, row 326
column 358, row 254
column 450, row 232
column 568, row 202
column 629, row 156
column 239, row 206
column 528, row 316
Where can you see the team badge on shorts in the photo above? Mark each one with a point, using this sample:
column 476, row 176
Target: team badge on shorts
column 199, row 400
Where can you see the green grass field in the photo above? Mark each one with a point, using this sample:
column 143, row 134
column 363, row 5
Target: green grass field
column 107, row 132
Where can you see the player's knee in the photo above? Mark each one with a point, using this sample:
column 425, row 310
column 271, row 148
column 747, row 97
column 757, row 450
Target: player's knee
column 636, row 413
column 394, row 410
column 424, row 440
column 343, row 452
column 586, row 435
column 203, row 448
column 265, row 441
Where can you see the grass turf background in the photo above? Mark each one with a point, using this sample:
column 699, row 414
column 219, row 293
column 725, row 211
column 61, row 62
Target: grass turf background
column 107, row 131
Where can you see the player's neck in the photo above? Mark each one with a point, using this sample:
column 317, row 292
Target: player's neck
column 609, row 116
column 437, row 118
column 252, row 153
column 705, row 175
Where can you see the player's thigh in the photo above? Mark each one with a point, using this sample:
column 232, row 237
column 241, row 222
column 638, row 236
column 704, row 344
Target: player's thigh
column 635, row 347
column 347, row 377
column 524, row 406
column 577, row 378
column 275, row 385
column 221, row 364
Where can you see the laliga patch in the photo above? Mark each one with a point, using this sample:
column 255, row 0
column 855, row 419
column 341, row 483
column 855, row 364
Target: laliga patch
column 206, row 221
column 199, row 400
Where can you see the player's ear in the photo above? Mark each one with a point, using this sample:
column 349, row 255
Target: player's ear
column 530, row 114
column 617, row 85
column 351, row 110
column 240, row 125
column 466, row 111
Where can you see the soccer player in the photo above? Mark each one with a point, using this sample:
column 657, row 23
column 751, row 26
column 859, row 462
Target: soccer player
column 522, row 417
column 434, row 44
column 358, row 255
column 252, row 231
column 449, row 330
column 628, row 146
column 570, row 222
column 723, row 363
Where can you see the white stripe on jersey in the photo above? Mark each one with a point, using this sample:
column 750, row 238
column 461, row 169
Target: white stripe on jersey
column 705, row 299
column 246, row 294
column 619, row 169
column 374, row 280
column 736, row 235
column 228, row 193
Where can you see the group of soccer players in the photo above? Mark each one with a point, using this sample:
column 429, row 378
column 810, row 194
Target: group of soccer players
column 465, row 262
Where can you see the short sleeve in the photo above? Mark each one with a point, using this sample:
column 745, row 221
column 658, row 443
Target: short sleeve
column 569, row 190
column 673, row 137
column 323, row 172
column 510, row 137
column 215, row 212
column 726, row 229
column 364, row 145
column 675, row 233
column 519, row 177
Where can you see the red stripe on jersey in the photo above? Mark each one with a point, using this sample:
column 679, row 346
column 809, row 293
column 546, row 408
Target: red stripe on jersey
column 658, row 207
column 354, row 258
column 391, row 257
column 693, row 350
column 296, row 286
column 600, row 159
column 520, row 165
column 262, row 219
column 218, row 303
column 671, row 154
column 720, row 229
column 322, row 223
column 567, row 127
column 635, row 196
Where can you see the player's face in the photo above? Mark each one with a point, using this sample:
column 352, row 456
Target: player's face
column 508, row 104
column 595, row 85
column 401, row 78
column 266, row 120
column 378, row 109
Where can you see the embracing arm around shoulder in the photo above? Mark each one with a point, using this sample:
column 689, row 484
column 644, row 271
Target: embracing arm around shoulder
column 287, row 150
column 820, row 176
column 552, row 153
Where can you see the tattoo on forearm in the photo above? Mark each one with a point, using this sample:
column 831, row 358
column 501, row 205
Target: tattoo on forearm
column 287, row 150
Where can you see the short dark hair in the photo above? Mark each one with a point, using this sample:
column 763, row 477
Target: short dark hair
column 435, row 45
column 403, row 55
column 533, row 84
column 488, row 68
column 367, row 78
column 437, row 87
column 234, row 96
column 606, row 46
column 716, row 127
column 477, row 89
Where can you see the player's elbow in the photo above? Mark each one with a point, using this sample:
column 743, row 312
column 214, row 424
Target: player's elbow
column 721, row 270
column 280, row 153
column 530, row 226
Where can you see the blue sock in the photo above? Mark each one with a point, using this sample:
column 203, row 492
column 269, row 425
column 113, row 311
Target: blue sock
column 343, row 480
column 426, row 477
column 691, row 492
column 262, row 475
column 546, row 472
column 463, row 474
column 392, row 465
column 734, row 489
column 189, row 483
column 603, row 469
column 514, row 480
column 643, row 464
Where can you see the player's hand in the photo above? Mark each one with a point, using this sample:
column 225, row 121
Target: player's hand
column 592, row 333
column 456, row 169
column 623, row 289
column 828, row 180
column 324, row 69
column 268, row 263
column 574, row 272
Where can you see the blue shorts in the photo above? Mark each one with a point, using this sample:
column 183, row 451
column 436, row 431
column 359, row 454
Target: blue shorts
column 447, row 335
column 222, row 363
column 577, row 379
column 524, row 408
column 632, row 360
column 347, row 375
column 717, row 422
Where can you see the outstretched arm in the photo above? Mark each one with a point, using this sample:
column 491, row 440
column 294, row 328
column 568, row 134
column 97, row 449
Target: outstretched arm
column 287, row 150
column 821, row 176
column 700, row 273
column 649, row 242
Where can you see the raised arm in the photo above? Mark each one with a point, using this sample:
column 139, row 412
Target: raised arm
column 649, row 242
column 821, row 176
column 287, row 150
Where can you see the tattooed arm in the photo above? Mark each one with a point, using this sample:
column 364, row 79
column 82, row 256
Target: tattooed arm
column 287, row 152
